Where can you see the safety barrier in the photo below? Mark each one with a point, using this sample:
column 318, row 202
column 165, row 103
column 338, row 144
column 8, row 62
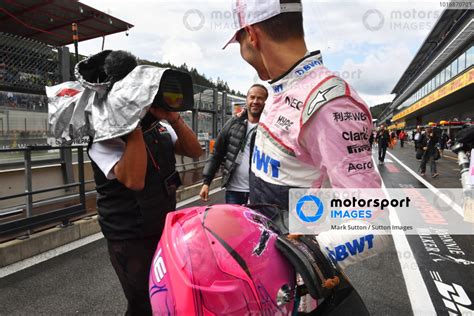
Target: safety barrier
column 21, row 213
column 63, row 214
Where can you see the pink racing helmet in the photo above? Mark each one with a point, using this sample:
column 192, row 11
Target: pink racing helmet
column 220, row 259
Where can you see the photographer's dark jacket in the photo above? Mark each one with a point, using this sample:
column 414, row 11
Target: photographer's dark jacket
column 383, row 138
column 127, row 214
column 226, row 149
column 430, row 144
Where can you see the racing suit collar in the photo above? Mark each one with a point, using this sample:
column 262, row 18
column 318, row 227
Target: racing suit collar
column 315, row 53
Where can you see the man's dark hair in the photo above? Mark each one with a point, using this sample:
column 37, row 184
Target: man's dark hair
column 119, row 64
column 284, row 26
column 258, row 85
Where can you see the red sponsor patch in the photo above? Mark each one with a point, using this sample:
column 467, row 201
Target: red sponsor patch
column 67, row 92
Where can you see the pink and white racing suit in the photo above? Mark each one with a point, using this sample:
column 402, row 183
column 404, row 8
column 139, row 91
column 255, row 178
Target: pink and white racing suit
column 314, row 129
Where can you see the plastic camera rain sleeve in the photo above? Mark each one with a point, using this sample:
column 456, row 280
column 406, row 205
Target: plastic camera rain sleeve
column 84, row 108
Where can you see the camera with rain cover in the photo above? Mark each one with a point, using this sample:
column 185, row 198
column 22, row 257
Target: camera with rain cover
column 175, row 88
column 112, row 94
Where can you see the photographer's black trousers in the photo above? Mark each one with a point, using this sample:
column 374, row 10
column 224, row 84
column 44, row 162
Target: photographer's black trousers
column 428, row 158
column 382, row 151
column 131, row 260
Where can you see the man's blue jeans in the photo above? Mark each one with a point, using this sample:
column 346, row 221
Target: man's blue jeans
column 234, row 197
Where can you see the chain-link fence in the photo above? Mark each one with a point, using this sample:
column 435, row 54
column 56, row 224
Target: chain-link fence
column 27, row 65
column 23, row 119
column 214, row 108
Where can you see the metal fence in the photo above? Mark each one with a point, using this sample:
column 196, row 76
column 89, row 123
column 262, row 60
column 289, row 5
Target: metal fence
column 27, row 65
column 43, row 186
column 212, row 109
column 62, row 214
column 28, row 124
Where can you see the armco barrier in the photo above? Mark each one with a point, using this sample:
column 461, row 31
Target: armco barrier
column 16, row 250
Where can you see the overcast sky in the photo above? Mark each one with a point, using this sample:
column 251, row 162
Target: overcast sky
column 369, row 43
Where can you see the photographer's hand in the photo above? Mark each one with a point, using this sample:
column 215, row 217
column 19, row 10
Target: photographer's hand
column 187, row 143
column 204, row 194
column 162, row 114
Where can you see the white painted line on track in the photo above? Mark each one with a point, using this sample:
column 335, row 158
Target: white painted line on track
column 29, row 262
column 433, row 189
column 18, row 266
column 418, row 294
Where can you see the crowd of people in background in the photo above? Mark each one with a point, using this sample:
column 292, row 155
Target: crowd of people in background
column 23, row 101
column 429, row 142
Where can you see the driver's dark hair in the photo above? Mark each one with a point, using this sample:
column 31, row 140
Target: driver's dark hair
column 284, row 26
column 119, row 64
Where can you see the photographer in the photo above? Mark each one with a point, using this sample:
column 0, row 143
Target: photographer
column 136, row 184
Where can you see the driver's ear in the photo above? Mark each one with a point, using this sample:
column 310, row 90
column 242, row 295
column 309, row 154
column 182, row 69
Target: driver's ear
column 253, row 35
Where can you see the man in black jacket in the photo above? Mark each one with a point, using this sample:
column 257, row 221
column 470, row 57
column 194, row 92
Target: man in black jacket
column 383, row 138
column 429, row 155
column 233, row 147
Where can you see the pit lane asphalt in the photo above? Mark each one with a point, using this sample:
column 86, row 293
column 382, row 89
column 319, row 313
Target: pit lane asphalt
column 445, row 280
column 83, row 282
column 79, row 282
